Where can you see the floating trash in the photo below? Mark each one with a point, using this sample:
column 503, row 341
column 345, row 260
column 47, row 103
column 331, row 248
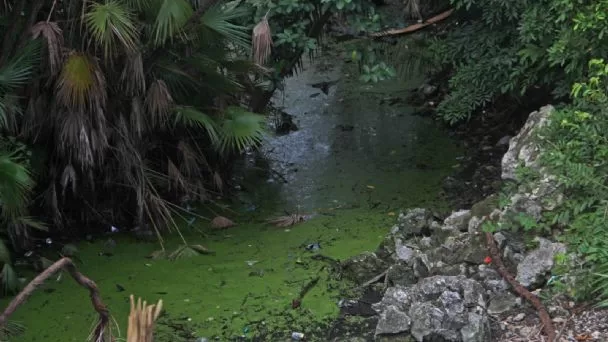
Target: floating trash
column 297, row 336
column 114, row 229
column 251, row 262
column 313, row 246
column 48, row 241
column 28, row 254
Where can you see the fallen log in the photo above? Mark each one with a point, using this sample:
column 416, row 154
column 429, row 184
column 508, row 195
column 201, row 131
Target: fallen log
column 101, row 332
column 415, row 27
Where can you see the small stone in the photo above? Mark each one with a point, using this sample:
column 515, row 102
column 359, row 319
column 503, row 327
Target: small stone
column 519, row 317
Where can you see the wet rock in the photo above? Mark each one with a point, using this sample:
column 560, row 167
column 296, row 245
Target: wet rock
column 458, row 220
column 392, row 321
column 402, row 274
column 533, row 269
column 523, row 148
column 403, row 252
column 414, row 222
column 440, row 308
column 503, row 302
column 363, row 267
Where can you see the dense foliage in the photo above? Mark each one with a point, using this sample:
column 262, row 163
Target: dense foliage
column 507, row 50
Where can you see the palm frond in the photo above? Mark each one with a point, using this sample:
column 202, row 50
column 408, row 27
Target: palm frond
column 19, row 69
column 139, row 4
column 261, row 41
column 5, row 254
column 133, row 77
column 171, row 17
column 15, row 186
column 10, row 330
column 192, row 117
column 188, row 251
column 10, row 280
column 158, row 101
column 110, row 23
column 53, row 35
column 241, row 129
column 81, row 83
column 219, row 20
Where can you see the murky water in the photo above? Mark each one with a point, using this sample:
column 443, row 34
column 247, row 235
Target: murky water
column 356, row 145
column 358, row 153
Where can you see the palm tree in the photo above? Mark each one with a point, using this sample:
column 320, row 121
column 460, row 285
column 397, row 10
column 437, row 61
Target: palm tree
column 134, row 103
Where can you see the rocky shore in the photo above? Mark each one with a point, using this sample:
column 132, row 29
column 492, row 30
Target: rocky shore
column 433, row 279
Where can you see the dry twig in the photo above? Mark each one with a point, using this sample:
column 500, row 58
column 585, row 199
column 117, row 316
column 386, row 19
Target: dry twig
column 101, row 331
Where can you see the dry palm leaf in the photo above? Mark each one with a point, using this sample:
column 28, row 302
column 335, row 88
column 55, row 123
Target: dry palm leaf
column 221, row 222
column 261, row 41
column 158, row 101
column 287, row 220
column 188, row 251
column 54, row 42
column 141, row 320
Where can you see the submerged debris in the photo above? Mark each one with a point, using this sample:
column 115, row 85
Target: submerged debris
column 221, row 222
column 288, row 220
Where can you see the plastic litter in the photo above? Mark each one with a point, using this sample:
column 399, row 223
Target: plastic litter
column 297, row 336
column 48, row 241
column 313, row 246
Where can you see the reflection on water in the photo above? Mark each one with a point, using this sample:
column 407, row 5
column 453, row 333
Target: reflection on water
column 353, row 147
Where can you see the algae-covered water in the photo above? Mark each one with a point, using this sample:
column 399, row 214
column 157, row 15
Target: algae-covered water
column 356, row 160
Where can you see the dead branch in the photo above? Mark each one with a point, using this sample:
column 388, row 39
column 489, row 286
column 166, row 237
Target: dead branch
column 520, row 289
column 141, row 320
column 415, row 27
column 374, row 279
column 101, row 331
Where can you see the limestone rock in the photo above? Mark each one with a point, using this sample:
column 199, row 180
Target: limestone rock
column 458, row 220
column 523, row 148
column 439, row 308
column 533, row 269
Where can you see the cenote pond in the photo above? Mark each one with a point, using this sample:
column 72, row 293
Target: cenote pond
column 359, row 156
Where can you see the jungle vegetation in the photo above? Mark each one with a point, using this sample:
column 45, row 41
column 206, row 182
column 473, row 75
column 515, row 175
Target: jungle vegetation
column 117, row 111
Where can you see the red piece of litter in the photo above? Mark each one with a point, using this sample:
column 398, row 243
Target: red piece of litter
column 487, row 260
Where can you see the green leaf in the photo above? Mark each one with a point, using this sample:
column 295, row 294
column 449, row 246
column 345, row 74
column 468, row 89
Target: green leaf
column 192, row 117
column 172, row 16
column 241, row 129
column 111, row 23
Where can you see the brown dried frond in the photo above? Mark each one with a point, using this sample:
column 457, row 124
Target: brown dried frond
column 133, row 77
column 261, row 41
column 158, row 101
column 175, row 176
column 68, row 178
column 81, row 83
column 218, row 181
column 53, row 35
column 142, row 319
column 221, row 222
column 287, row 220
column 189, row 162
column 138, row 122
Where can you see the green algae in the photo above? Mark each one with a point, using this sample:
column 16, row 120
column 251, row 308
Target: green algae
column 354, row 183
column 211, row 295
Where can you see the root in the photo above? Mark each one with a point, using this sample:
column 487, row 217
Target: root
column 101, row 332
column 520, row 289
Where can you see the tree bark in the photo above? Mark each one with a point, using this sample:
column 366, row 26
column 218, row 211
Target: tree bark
column 101, row 332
